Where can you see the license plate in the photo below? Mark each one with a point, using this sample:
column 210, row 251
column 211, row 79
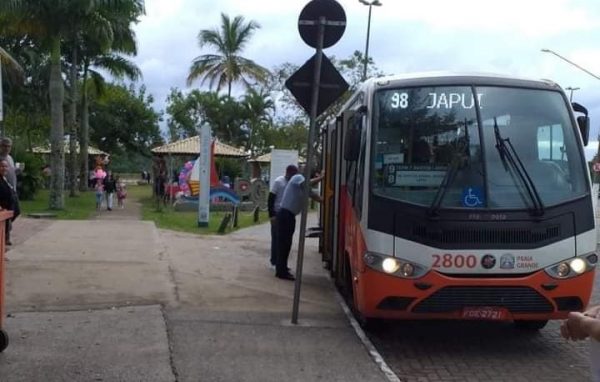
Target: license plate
column 484, row 313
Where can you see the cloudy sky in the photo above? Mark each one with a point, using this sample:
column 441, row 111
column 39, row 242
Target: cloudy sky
column 406, row 36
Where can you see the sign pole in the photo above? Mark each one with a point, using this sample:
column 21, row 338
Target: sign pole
column 204, row 176
column 308, row 168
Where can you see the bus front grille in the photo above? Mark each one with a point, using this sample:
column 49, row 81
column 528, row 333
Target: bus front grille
column 487, row 235
column 515, row 299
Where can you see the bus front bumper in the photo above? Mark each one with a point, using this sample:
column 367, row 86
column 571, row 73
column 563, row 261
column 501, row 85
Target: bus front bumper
column 535, row 296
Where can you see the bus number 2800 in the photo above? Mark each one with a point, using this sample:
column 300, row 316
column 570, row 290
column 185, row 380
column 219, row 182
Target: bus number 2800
column 454, row 261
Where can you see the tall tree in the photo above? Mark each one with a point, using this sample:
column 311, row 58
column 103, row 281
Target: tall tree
column 122, row 120
column 227, row 65
column 259, row 108
column 49, row 22
column 96, row 54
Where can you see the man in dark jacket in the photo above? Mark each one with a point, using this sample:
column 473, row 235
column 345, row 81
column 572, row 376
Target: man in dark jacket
column 110, row 187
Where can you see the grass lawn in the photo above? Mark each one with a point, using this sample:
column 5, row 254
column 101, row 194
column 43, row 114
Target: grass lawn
column 78, row 208
column 167, row 218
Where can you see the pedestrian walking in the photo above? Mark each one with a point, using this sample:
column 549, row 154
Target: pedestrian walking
column 292, row 203
column 274, row 204
column 121, row 193
column 110, row 187
column 8, row 198
column 99, row 189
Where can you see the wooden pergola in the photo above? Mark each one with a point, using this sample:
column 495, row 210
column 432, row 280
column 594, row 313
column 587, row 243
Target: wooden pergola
column 191, row 146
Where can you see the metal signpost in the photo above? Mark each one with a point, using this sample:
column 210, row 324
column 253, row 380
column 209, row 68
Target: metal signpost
column 204, row 176
column 321, row 24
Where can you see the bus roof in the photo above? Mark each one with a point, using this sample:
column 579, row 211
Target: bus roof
column 455, row 78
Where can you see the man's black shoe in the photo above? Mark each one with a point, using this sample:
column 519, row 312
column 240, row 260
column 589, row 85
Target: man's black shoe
column 287, row 276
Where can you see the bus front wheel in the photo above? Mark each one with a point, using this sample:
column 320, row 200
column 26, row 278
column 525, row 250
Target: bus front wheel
column 531, row 325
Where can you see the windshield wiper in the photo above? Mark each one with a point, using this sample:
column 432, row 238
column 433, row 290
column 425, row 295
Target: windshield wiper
column 444, row 187
column 455, row 165
column 509, row 154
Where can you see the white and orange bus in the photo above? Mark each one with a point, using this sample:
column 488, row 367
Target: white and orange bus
column 459, row 196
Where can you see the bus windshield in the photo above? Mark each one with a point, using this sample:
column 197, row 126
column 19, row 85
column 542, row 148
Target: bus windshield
column 432, row 147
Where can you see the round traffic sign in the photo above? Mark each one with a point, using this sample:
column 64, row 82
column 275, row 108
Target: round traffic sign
column 335, row 22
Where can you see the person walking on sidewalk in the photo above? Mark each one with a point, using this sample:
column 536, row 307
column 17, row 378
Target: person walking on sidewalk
column 121, row 193
column 8, row 198
column 99, row 188
column 110, row 187
column 292, row 202
column 274, row 204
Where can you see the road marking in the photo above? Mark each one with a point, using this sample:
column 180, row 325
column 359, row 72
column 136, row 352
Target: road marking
column 375, row 355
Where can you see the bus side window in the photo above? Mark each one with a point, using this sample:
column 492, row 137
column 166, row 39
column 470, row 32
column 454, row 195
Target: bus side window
column 353, row 133
column 360, row 169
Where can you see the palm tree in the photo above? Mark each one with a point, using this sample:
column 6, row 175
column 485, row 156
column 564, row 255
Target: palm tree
column 13, row 67
column 118, row 67
column 7, row 60
column 94, row 50
column 46, row 20
column 227, row 65
column 258, row 106
column 51, row 21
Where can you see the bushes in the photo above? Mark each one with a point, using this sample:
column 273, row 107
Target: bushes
column 30, row 179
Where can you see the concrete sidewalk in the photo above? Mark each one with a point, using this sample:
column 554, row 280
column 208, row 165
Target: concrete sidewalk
column 119, row 300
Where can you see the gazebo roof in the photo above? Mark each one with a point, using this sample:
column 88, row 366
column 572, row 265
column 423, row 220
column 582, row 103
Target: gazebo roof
column 191, row 146
column 266, row 158
column 46, row 150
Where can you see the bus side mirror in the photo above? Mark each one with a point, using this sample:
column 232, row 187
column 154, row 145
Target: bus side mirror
column 584, row 127
column 352, row 145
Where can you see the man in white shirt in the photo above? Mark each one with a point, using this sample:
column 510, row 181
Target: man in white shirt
column 274, row 204
column 292, row 203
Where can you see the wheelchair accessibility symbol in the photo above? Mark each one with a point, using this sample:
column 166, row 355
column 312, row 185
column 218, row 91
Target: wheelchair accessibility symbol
column 472, row 197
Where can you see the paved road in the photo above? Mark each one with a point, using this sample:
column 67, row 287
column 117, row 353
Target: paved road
column 115, row 299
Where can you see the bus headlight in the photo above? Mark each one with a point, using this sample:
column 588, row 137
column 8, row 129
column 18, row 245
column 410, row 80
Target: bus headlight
column 390, row 265
column 577, row 265
column 573, row 267
column 562, row 269
column 407, row 269
column 394, row 266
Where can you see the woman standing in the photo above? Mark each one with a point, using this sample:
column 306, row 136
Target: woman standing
column 8, row 198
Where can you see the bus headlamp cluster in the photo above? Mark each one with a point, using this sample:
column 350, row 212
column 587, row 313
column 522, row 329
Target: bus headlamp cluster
column 393, row 266
column 573, row 267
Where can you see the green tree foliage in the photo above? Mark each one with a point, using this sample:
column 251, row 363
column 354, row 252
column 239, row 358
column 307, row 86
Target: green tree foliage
column 49, row 23
column 227, row 65
column 97, row 53
column 122, row 121
column 224, row 114
column 259, row 108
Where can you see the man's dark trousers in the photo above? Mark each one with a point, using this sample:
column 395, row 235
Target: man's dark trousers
column 274, row 241
column 286, row 224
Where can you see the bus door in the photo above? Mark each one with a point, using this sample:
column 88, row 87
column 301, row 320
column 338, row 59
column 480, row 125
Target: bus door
column 331, row 192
